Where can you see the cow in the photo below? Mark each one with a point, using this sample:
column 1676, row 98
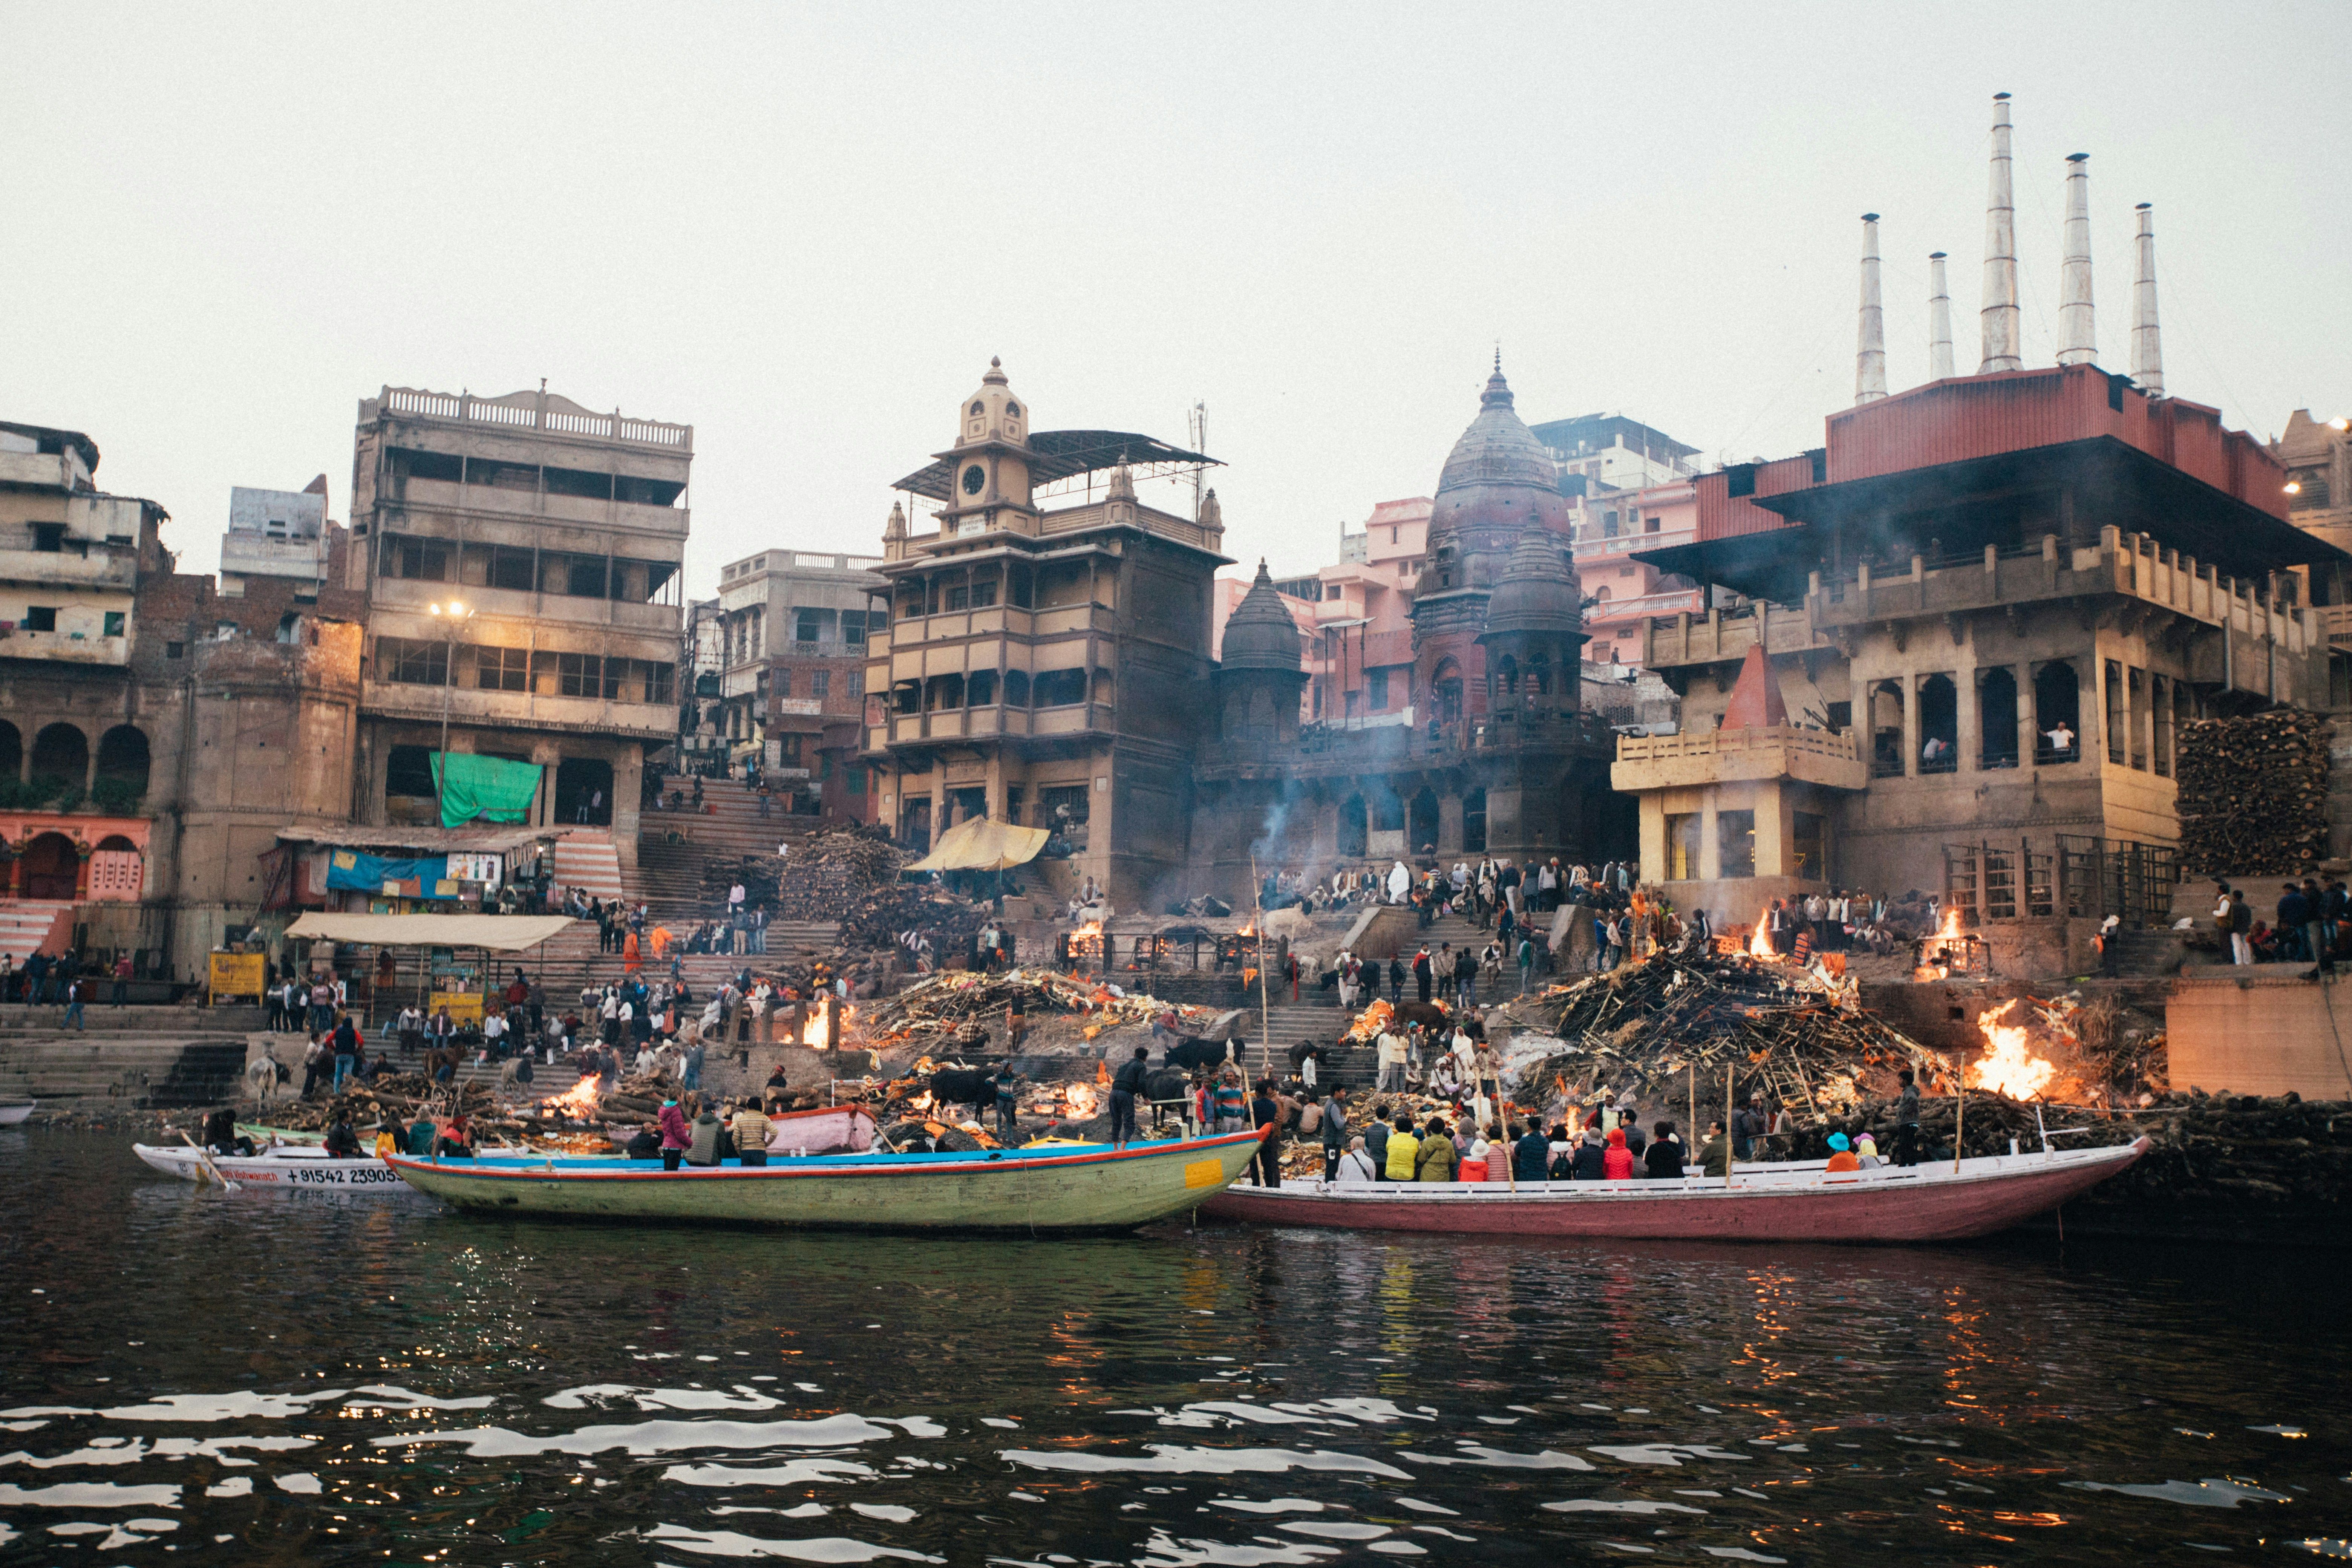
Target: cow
column 263, row 1076
column 1427, row 1014
column 966, row 1086
column 1191, row 1051
column 514, row 1069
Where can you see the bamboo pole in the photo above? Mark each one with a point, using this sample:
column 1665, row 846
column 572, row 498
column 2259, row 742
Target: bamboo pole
column 1959, row 1114
column 1729, row 1153
column 1690, row 1128
column 1265, row 1008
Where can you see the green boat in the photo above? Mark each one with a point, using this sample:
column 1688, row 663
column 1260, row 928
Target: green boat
column 1046, row 1187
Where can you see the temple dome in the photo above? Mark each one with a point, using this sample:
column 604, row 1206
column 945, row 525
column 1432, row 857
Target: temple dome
column 1260, row 634
column 1537, row 593
column 1497, row 480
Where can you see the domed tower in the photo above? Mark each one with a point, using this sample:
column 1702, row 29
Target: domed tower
column 1533, row 639
column 990, row 460
column 1259, row 673
column 1498, row 483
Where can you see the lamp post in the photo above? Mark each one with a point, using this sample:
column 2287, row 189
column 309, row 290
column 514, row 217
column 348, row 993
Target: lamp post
column 452, row 615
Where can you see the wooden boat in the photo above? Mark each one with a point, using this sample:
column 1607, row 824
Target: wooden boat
column 828, row 1129
column 261, row 1133
column 10, row 1115
column 297, row 1165
column 1799, row 1201
column 1064, row 1187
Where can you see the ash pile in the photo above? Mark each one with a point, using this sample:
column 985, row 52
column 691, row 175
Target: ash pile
column 1641, row 1030
column 965, row 1010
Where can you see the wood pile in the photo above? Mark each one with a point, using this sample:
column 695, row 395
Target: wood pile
column 960, row 1008
column 878, row 916
column 2253, row 793
column 1644, row 1028
column 830, row 870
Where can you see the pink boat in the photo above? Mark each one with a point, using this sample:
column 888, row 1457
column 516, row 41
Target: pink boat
column 1795, row 1202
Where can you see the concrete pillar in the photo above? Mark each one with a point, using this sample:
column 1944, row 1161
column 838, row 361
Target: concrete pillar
column 1449, row 824
column 2027, row 716
column 1654, row 837
column 1967, row 696
column 1773, row 830
column 1910, row 686
column 1710, row 847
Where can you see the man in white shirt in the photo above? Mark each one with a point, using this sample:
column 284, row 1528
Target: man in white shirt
column 2060, row 738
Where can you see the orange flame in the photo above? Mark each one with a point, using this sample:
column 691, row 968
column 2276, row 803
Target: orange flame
column 2009, row 1067
column 580, row 1100
column 1758, row 944
column 1079, row 1103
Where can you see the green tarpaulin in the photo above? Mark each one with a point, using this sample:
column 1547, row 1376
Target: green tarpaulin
column 490, row 788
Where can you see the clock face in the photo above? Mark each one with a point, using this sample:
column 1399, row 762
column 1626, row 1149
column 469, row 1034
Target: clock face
column 974, row 477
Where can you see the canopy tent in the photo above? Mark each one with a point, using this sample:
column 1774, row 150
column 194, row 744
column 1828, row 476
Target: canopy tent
column 490, row 787
column 981, row 844
column 498, row 933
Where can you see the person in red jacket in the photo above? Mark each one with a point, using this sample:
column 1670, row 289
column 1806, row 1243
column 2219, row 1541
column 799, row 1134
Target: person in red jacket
column 675, row 1135
column 1617, row 1160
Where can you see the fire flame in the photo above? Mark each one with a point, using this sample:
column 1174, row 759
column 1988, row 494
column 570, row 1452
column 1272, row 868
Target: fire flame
column 1080, row 1101
column 1091, row 928
column 817, row 1034
column 1758, row 944
column 1950, row 929
column 580, row 1100
column 2009, row 1067
column 1249, row 929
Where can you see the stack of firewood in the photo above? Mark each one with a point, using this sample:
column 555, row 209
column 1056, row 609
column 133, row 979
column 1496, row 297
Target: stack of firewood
column 2254, row 793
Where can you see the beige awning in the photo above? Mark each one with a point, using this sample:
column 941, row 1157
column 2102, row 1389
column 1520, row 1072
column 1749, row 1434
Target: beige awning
column 981, row 844
column 499, row 933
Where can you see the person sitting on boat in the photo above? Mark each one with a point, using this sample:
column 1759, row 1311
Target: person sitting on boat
column 1616, row 1160
column 222, row 1138
column 1866, row 1151
column 1530, row 1154
column 1355, row 1167
column 1589, row 1162
column 1664, row 1158
column 704, row 1135
column 676, row 1134
column 1404, row 1148
column 1716, row 1152
column 1433, row 1158
column 1842, row 1155
column 458, row 1136
column 343, row 1143
column 421, row 1133
column 750, row 1132
column 644, row 1144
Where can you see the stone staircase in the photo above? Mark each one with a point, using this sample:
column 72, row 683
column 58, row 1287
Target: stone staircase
column 28, row 925
column 589, row 862
column 672, row 847
column 73, row 1070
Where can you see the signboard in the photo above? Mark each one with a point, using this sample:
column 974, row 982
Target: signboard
column 472, row 868
column 234, row 974
column 464, row 1006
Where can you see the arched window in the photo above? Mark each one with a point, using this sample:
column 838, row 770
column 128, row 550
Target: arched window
column 61, row 754
column 1016, row 689
column 12, row 751
column 1351, row 835
column 1423, row 826
column 122, row 767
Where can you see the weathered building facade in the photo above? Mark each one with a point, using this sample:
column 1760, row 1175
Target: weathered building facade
column 791, row 634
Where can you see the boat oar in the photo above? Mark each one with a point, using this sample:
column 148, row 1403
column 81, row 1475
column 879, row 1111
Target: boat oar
column 205, row 1160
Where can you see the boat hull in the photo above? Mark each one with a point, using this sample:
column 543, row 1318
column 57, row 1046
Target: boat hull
column 310, row 1170
column 10, row 1115
column 1775, row 1204
column 1075, row 1187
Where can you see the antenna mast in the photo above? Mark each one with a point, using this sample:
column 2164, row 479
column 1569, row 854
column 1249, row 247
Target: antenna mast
column 1196, row 426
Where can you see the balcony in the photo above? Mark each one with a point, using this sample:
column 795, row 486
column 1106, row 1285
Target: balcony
column 984, row 723
column 536, row 506
column 537, row 411
column 521, row 710
column 102, row 568
column 639, row 617
column 1724, row 756
column 1724, row 636
column 65, row 647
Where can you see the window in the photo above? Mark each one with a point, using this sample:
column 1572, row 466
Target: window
column 808, row 626
column 856, row 686
column 2307, row 489
column 957, row 598
column 1624, row 571
column 980, row 689
column 820, row 684
column 113, row 623
column 857, row 779
column 1609, row 525
column 1682, row 847
column 853, row 627
column 1735, row 842
column 1058, row 689
column 408, row 662
column 584, row 577
column 418, row 560
column 1650, row 523
column 40, row 618
column 759, row 633
column 583, row 675
column 502, row 669
column 783, row 683
column 1376, row 690
column 50, row 538
column 175, row 650
column 660, row 681
column 1811, row 846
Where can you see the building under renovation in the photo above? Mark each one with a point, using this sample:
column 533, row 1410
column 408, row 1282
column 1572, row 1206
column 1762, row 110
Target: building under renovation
column 1985, row 608
column 1052, row 667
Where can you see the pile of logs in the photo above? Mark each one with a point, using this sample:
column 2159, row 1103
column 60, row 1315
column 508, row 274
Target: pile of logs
column 832, row 870
column 2253, row 793
column 1648, row 1027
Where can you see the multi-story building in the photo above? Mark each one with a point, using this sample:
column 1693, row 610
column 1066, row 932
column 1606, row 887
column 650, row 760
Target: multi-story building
column 791, row 629
column 1044, row 665
column 1621, row 590
column 1610, row 452
column 521, row 557
column 1359, row 654
column 277, row 534
column 2317, row 457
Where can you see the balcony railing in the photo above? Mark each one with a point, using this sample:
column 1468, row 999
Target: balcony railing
column 535, row 410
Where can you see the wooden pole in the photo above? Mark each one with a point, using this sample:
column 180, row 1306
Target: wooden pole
column 1959, row 1113
column 1728, row 1153
column 1690, row 1128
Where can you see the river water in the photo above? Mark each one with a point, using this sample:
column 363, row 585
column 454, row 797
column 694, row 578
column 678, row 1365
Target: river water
column 315, row 1378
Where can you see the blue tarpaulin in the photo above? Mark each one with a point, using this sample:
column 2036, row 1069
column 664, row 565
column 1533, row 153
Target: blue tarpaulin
column 422, row 878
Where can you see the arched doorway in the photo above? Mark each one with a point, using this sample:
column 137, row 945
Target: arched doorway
column 1422, row 839
column 1997, row 717
column 1474, row 821
column 122, row 767
column 1939, row 725
column 12, row 751
column 1353, row 841
column 61, row 753
column 2057, row 714
column 49, row 867
column 583, row 783
column 116, row 870
column 1885, row 722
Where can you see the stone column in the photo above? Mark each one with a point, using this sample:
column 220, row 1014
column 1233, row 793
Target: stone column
column 1772, row 831
column 1908, row 684
column 1710, row 849
column 2028, row 716
column 1654, row 836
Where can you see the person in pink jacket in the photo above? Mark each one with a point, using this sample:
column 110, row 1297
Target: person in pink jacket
column 1616, row 1160
column 675, row 1133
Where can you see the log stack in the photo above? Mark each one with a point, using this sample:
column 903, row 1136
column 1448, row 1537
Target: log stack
column 2254, row 793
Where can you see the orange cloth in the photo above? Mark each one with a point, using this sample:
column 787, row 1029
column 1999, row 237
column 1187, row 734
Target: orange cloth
column 1843, row 1160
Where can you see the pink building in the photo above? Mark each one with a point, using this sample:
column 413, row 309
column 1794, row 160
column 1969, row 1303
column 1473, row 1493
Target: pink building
column 1621, row 592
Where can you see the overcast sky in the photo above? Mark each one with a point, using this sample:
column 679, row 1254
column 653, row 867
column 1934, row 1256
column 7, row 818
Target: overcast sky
column 804, row 230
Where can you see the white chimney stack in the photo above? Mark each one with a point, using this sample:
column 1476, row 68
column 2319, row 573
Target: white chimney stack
column 2078, row 339
column 2000, row 315
column 2147, row 347
column 1870, row 356
column 1939, row 320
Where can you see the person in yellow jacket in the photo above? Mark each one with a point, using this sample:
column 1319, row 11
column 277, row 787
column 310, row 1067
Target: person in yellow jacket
column 1433, row 1162
column 1404, row 1150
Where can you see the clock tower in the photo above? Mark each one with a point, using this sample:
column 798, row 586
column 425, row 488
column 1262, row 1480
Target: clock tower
column 990, row 463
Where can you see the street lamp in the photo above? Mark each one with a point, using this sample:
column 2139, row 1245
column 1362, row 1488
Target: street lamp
column 453, row 615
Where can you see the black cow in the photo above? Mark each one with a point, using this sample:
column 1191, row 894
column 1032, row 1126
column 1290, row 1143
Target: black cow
column 1304, row 1049
column 1191, row 1051
column 1427, row 1014
column 965, row 1086
column 1162, row 1087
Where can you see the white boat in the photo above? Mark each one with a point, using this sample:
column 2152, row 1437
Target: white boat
column 10, row 1115
column 302, row 1165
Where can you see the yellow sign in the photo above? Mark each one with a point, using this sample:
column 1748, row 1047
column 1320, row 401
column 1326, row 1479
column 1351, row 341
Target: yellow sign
column 1205, row 1174
column 465, row 1006
column 234, row 974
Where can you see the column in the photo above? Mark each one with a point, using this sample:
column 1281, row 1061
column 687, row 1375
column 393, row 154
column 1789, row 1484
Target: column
column 1654, row 836
column 1908, row 684
column 1967, row 696
column 1772, row 808
column 1710, row 851
column 2028, row 715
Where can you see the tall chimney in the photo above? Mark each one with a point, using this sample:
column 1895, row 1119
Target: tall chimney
column 1870, row 355
column 1999, row 316
column 2147, row 347
column 1939, row 320
column 2078, row 340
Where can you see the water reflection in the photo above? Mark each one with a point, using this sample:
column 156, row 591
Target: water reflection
column 303, row 1377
